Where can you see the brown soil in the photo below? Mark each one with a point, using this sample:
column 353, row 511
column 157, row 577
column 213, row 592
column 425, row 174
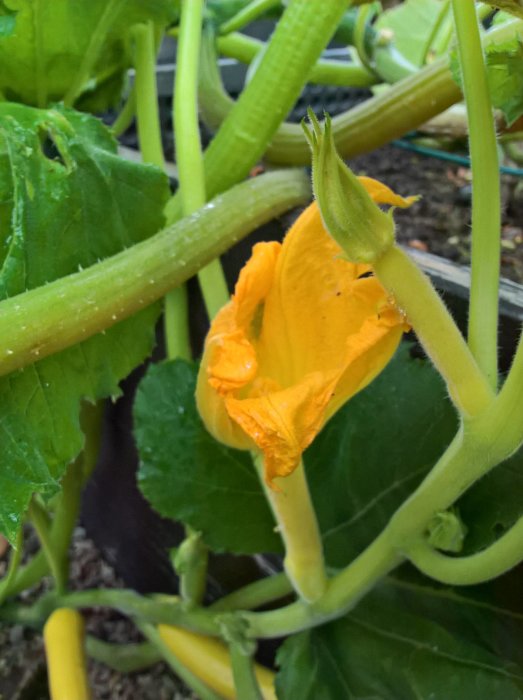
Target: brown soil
column 22, row 659
column 440, row 221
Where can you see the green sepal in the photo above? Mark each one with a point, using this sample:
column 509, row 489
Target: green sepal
column 446, row 531
column 357, row 224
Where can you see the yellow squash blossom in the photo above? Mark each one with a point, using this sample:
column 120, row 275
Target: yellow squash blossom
column 304, row 331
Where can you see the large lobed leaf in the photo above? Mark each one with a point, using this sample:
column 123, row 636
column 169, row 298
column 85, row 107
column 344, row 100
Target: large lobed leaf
column 54, row 40
column 66, row 200
column 408, row 642
column 504, row 63
column 367, row 460
column 187, row 475
column 375, row 451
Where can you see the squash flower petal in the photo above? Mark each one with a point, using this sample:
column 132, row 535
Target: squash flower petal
column 304, row 331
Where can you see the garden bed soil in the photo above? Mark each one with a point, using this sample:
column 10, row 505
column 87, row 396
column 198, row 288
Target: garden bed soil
column 22, row 659
column 439, row 222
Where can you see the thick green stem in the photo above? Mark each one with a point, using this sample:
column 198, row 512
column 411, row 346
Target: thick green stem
column 149, row 131
column 188, row 147
column 33, row 325
column 256, row 594
column 172, row 612
column 176, row 323
column 343, row 592
column 248, row 14
column 490, row 563
column 40, row 520
column 435, row 328
column 68, row 507
column 245, row 681
column 404, row 107
column 190, row 562
column 125, row 658
column 303, row 31
column 486, row 207
column 192, row 681
column 150, row 138
column 124, row 120
column 14, row 563
column 324, row 72
column 291, row 504
column 27, row 576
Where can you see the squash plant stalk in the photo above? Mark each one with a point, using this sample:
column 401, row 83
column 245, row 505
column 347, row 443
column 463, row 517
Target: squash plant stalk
column 302, row 33
column 125, row 658
column 248, row 14
column 291, row 504
column 436, row 330
column 40, row 520
column 486, row 207
column 255, row 594
column 149, row 135
column 125, row 118
column 500, row 557
column 402, row 108
column 245, row 681
column 47, row 319
column 324, row 72
column 188, row 147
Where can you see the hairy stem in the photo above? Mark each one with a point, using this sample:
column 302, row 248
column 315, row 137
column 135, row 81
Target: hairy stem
column 408, row 104
column 125, row 658
column 40, row 520
column 147, row 111
column 435, row 328
column 33, row 325
column 303, row 31
column 188, row 147
column 324, row 72
column 256, row 594
column 12, row 569
column 294, row 513
column 245, row 681
column 486, row 207
column 495, row 560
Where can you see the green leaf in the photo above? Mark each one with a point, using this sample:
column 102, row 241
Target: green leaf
column 514, row 7
column 375, row 452
column 505, row 77
column 494, row 504
column 7, row 20
column 412, row 24
column 187, row 475
column 356, row 487
column 66, row 200
column 64, row 44
column 504, row 62
column 406, row 642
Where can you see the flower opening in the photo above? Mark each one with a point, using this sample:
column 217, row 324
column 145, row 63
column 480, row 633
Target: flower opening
column 304, row 331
